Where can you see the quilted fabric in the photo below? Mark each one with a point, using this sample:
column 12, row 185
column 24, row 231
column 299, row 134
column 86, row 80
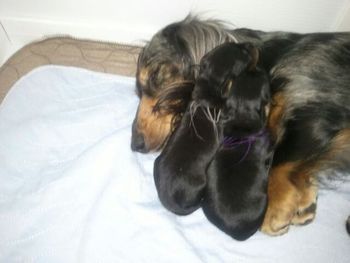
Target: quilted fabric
column 72, row 190
column 93, row 55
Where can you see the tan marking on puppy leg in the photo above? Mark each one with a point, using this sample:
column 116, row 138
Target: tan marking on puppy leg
column 283, row 200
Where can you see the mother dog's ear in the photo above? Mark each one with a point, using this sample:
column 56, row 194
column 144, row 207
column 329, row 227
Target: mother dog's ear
column 254, row 53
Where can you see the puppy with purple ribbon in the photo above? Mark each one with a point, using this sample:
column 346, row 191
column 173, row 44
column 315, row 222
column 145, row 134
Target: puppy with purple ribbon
column 235, row 199
column 180, row 170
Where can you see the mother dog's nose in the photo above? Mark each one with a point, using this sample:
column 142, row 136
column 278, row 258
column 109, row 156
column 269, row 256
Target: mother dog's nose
column 137, row 141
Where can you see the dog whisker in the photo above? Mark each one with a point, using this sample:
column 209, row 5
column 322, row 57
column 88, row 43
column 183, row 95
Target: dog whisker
column 219, row 114
column 213, row 118
column 193, row 109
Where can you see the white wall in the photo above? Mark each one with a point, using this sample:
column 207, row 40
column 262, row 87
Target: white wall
column 4, row 47
column 343, row 20
column 132, row 21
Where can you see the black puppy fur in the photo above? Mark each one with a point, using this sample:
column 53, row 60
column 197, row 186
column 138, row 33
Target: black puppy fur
column 180, row 170
column 236, row 194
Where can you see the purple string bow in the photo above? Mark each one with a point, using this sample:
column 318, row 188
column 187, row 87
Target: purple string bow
column 231, row 142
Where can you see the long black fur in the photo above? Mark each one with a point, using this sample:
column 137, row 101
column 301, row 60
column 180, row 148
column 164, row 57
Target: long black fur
column 179, row 171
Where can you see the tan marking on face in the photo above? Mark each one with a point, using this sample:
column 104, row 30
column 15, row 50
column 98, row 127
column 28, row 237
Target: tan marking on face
column 143, row 76
column 167, row 75
column 154, row 126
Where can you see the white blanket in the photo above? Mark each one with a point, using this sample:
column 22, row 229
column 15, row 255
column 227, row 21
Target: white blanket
column 71, row 190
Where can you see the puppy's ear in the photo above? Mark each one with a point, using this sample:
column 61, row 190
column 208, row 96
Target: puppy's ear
column 265, row 90
column 265, row 94
column 254, row 53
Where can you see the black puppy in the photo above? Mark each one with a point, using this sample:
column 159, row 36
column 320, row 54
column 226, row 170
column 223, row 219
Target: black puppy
column 180, row 170
column 236, row 194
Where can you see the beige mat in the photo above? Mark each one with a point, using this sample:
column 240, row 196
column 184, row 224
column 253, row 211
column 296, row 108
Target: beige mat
column 94, row 55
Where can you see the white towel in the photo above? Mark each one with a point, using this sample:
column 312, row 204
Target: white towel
column 71, row 190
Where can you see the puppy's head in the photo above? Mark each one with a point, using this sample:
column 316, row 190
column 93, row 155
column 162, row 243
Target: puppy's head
column 166, row 71
column 219, row 71
column 230, row 79
column 247, row 105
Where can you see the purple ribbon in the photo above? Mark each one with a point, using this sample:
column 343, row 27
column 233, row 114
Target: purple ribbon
column 231, row 142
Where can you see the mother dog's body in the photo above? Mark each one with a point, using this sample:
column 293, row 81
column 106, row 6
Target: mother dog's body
column 309, row 117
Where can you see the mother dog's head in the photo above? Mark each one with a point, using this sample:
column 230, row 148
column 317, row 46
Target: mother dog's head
column 166, row 71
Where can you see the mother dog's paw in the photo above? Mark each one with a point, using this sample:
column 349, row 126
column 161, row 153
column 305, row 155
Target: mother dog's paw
column 282, row 208
column 306, row 207
column 289, row 202
column 283, row 200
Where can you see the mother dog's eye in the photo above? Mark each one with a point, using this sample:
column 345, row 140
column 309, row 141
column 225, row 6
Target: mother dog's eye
column 154, row 81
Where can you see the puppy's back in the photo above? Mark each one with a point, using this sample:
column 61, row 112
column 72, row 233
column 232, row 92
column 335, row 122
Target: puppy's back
column 236, row 196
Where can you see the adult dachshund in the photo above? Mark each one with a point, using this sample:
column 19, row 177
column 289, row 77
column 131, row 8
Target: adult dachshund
column 310, row 107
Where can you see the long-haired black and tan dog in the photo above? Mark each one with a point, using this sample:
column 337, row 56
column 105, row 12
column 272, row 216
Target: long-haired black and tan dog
column 235, row 199
column 180, row 170
column 309, row 115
